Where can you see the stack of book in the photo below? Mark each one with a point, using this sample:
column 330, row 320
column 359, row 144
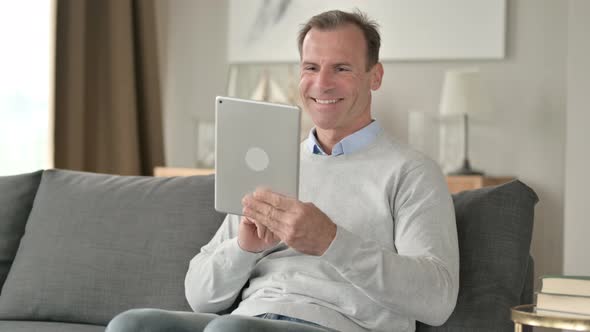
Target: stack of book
column 566, row 296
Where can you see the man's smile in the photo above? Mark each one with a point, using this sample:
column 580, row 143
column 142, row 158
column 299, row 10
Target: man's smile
column 326, row 101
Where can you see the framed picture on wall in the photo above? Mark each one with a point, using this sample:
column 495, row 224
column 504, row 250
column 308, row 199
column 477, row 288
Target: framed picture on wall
column 266, row 30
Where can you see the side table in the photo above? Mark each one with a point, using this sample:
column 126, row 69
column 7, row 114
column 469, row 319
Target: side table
column 526, row 315
column 178, row 171
column 457, row 183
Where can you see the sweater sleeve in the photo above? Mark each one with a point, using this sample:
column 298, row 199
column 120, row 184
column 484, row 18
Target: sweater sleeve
column 217, row 274
column 420, row 278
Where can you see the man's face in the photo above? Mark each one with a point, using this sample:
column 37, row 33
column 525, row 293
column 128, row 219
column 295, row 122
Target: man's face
column 334, row 85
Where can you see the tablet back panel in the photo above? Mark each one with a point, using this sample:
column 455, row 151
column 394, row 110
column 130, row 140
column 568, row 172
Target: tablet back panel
column 256, row 144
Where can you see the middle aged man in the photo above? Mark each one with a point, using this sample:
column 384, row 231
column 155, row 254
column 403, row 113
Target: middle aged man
column 371, row 244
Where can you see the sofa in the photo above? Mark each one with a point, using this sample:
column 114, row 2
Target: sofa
column 78, row 248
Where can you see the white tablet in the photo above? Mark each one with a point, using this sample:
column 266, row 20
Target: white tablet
column 256, row 144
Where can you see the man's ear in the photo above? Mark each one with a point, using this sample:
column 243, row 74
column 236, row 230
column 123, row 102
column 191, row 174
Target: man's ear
column 376, row 76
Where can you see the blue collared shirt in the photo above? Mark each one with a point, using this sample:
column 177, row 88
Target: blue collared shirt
column 349, row 144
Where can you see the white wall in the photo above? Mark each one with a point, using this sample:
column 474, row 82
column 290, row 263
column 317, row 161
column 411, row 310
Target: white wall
column 577, row 181
column 523, row 137
column 194, row 34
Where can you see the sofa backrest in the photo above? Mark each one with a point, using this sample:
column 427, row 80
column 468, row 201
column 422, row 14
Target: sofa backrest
column 494, row 226
column 96, row 245
column 16, row 199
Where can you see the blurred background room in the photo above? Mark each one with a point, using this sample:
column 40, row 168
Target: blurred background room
column 124, row 86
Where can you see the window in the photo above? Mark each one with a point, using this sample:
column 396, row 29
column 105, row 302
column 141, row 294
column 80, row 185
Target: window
column 26, row 85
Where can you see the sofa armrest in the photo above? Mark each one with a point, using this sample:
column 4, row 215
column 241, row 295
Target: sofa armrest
column 529, row 284
column 494, row 228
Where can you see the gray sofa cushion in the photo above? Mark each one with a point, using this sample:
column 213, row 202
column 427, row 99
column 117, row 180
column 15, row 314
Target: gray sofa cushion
column 96, row 245
column 16, row 199
column 23, row 326
column 495, row 226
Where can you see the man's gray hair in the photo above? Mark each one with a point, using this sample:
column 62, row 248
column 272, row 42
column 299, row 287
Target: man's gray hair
column 335, row 18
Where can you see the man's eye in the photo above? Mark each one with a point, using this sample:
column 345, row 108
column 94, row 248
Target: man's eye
column 342, row 69
column 310, row 68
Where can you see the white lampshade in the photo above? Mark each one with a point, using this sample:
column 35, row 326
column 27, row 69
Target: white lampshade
column 462, row 93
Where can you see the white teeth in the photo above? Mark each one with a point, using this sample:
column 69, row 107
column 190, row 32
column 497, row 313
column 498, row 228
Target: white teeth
column 331, row 101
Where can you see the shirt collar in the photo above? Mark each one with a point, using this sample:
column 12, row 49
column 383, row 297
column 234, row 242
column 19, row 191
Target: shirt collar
column 349, row 144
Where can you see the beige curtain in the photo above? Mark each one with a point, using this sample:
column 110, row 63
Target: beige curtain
column 108, row 116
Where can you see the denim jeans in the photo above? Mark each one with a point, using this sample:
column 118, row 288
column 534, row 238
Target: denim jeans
column 286, row 318
column 157, row 320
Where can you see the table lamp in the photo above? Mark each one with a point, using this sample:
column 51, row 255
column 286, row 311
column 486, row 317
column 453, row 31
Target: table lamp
column 462, row 94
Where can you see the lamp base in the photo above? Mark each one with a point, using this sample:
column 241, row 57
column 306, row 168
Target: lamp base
column 466, row 169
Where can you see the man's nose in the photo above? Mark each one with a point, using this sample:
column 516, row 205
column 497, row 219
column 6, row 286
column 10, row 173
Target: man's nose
column 325, row 79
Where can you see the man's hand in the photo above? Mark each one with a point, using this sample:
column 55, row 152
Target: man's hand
column 302, row 226
column 254, row 237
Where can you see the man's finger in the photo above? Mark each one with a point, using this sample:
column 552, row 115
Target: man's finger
column 260, row 218
column 276, row 200
column 245, row 220
column 266, row 210
column 261, row 230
